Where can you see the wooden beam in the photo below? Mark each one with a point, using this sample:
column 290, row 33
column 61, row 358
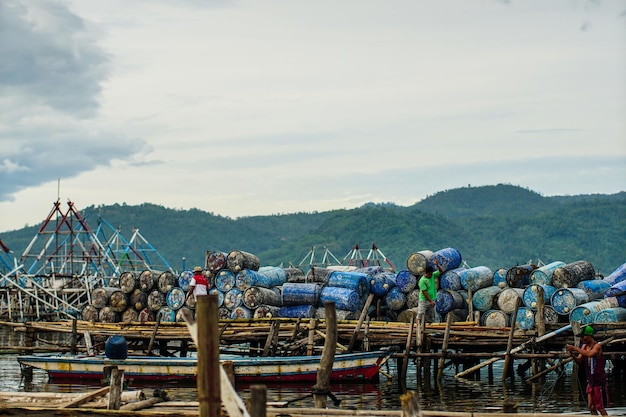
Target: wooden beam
column 86, row 398
column 322, row 387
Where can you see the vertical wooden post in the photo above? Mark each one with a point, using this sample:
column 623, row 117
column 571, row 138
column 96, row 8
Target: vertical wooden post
column 366, row 336
column 27, row 371
column 115, row 390
column 444, row 347
column 184, row 348
column 540, row 325
column 357, row 329
column 258, row 401
column 410, row 404
column 74, row 338
column 271, row 338
column 154, row 333
column 312, row 326
column 540, row 318
column 209, row 387
column 426, row 344
column 322, row 388
column 507, row 357
column 419, row 342
column 407, row 350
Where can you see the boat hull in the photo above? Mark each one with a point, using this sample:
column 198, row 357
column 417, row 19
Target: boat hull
column 356, row 367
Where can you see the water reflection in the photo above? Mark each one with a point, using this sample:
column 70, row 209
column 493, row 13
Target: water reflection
column 554, row 394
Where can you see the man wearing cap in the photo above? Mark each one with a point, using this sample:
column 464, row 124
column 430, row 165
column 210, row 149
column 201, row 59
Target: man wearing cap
column 591, row 356
column 198, row 285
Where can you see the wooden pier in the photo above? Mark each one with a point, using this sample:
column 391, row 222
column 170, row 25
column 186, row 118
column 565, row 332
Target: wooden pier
column 433, row 346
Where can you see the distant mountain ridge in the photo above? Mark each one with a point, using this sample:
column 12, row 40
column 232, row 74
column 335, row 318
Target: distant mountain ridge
column 495, row 226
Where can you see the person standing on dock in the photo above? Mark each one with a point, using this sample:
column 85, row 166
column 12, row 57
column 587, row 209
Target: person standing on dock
column 198, row 285
column 591, row 356
column 428, row 293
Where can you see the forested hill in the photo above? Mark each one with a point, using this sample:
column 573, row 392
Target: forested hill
column 496, row 226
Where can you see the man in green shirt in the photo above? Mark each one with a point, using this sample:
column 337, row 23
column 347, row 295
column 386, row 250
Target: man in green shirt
column 428, row 293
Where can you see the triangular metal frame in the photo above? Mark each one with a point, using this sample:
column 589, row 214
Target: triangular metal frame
column 310, row 260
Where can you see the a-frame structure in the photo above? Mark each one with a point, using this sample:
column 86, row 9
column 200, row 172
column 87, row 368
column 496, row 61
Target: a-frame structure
column 373, row 258
column 313, row 260
column 136, row 254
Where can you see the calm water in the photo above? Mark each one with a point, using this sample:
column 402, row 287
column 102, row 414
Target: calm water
column 451, row 394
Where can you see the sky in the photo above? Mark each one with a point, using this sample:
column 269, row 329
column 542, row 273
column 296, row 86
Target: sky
column 249, row 107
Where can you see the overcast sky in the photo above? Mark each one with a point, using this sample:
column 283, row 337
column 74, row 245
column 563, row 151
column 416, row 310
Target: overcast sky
column 250, row 107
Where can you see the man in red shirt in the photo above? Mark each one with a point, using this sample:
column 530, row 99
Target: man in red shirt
column 198, row 284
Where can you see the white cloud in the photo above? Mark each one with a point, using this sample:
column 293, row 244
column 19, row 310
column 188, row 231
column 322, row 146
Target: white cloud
column 245, row 108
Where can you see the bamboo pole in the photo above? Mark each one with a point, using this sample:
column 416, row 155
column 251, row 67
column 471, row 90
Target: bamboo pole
column 515, row 350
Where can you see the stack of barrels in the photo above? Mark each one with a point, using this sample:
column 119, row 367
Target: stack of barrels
column 571, row 292
column 245, row 289
column 138, row 298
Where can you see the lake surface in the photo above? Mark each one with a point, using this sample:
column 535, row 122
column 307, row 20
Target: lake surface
column 555, row 394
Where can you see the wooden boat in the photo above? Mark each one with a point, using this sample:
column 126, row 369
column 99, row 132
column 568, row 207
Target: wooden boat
column 348, row 367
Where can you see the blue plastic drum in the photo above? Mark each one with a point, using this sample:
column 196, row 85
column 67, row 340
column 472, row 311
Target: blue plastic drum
column 406, row 281
column 381, row 283
column 543, row 274
column 584, row 313
column 225, row 280
column 595, row 288
column 271, row 276
column 616, row 276
column 344, row 298
column 184, row 279
column 296, row 293
column 564, row 300
column 233, row 298
column 357, row 281
column 175, row 298
column 476, row 278
column 395, row 299
column 451, row 280
column 531, row 295
column 116, row 347
column 525, row 319
column 168, row 315
column 448, row 300
column 499, row 277
column 485, row 298
column 447, row 259
column 610, row 315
